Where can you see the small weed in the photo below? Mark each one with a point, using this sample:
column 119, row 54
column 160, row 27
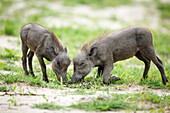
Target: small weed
column 9, row 54
column 114, row 18
column 21, row 90
column 161, row 111
column 14, row 87
column 12, row 101
column 45, row 97
column 50, row 106
column 81, row 92
column 61, row 79
column 4, row 89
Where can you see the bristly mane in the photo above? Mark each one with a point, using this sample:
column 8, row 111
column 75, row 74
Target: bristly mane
column 56, row 41
column 86, row 45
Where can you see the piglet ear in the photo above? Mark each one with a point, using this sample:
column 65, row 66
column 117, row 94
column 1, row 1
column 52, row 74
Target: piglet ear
column 84, row 47
column 56, row 51
column 92, row 51
column 65, row 49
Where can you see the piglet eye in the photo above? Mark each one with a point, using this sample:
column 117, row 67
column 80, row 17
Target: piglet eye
column 82, row 62
column 58, row 63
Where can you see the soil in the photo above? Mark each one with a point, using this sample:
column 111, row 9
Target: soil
column 33, row 95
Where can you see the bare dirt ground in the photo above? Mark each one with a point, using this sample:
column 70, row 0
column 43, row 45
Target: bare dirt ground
column 33, row 95
column 81, row 15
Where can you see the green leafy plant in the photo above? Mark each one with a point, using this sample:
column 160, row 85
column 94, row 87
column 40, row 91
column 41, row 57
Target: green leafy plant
column 50, row 106
column 45, row 97
column 12, row 101
column 4, row 89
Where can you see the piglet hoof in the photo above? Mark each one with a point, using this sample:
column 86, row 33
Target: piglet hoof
column 142, row 79
column 26, row 73
column 46, row 80
column 32, row 74
column 107, row 83
column 114, row 78
column 64, row 82
column 167, row 80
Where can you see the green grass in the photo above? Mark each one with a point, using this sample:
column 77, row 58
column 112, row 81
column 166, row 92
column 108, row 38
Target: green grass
column 3, row 89
column 4, row 5
column 161, row 43
column 9, row 54
column 8, row 67
column 97, row 3
column 50, row 106
column 20, row 77
column 12, row 22
column 128, row 74
column 164, row 9
column 134, row 102
column 10, row 28
column 130, row 71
